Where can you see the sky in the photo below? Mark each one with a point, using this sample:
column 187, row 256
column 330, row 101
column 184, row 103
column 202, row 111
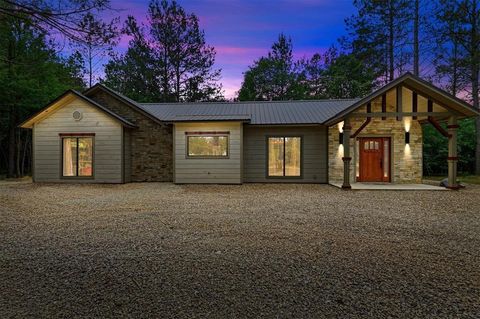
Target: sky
column 244, row 30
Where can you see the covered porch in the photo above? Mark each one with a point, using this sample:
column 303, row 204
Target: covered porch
column 377, row 143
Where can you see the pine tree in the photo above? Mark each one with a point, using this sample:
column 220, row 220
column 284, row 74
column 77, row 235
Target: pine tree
column 96, row 42
column 378, row 36
column 31, row 74
column 460, row 26
column 135, row 73
column 273, row 77
column 173, row 48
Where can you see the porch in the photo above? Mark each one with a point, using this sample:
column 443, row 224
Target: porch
column 377, row 143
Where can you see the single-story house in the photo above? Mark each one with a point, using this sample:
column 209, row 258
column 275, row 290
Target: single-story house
column 101, row 136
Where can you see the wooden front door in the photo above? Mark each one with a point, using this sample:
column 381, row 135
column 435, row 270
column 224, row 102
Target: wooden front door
column 374, row 159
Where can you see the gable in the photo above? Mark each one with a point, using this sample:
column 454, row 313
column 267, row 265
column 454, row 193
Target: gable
column 66, row 116
column 443, row 102
column 69, row 98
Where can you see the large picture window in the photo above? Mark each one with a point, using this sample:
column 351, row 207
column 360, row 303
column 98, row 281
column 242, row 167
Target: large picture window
column 77, row 156
column 284, row 156
column 205, row 145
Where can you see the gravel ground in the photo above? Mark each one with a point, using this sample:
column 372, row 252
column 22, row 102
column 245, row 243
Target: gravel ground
column 277, row 251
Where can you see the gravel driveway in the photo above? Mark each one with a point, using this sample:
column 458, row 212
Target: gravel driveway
column 276, row 251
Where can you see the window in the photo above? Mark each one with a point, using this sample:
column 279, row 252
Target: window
column 284, row 156
column 207, row 145
column 77, row 153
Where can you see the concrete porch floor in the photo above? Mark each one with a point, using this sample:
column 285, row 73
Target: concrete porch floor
column 392, row 187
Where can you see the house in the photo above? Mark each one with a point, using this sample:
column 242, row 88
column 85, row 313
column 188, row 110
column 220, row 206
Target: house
column 101, row 136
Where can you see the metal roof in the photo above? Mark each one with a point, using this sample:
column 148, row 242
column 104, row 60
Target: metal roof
column 269, row 112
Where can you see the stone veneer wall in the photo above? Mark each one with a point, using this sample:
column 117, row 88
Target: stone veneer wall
column 406, row 166
column 151, row 142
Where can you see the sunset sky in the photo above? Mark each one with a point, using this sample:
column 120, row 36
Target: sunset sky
column 243, row 30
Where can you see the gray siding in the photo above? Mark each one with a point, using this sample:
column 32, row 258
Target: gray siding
column 314, row 157
column 127, row 155
column 202, row 170
column 107, row 162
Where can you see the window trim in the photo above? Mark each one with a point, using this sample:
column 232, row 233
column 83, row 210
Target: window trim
column 267, row 137
column 77, row 135
column 207, row 134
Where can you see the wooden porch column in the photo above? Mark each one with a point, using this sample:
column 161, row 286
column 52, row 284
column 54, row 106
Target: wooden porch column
column 452, row 152
column 347, row 128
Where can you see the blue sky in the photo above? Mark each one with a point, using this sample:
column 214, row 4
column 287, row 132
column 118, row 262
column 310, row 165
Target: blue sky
column 243, row 30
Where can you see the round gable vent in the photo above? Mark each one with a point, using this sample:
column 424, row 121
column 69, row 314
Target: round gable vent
column 77, row 116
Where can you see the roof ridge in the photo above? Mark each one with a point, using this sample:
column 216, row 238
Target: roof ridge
column 246, row 102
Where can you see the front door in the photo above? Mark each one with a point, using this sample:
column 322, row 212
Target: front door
column 374, row 159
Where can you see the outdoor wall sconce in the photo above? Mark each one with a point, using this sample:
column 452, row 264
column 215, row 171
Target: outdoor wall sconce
column 340, row 138
column 407, row 137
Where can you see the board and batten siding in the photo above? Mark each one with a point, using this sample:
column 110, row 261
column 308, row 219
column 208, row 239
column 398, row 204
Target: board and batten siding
column 108, row 148
column 314, row 153
column 205, row 170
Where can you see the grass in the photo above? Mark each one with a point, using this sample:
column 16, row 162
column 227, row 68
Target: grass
column 469, row 179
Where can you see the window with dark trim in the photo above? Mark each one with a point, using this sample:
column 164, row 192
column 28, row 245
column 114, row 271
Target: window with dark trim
column 284, row 156
column 77, row 156
column 207, row 145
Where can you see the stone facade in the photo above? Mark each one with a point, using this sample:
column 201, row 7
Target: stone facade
column 406, row 160
column 151, row 142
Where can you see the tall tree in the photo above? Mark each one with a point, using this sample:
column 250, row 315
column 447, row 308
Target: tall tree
column 336, row 75
column 347, row 77
column 31, row 74
column 416, row 44
column 274, row 77
column 175, row 46
column 135, row 73
column 460, row 25
column 450, row 71
column 96, row 42
column 378, row 37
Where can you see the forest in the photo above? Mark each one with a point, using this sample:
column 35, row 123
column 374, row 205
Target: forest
column 49, row 46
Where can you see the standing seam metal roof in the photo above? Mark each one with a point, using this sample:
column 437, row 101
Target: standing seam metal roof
column 269, row 112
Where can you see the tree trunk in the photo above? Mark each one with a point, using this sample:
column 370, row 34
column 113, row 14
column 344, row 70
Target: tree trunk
column 477, row 148
column 177, row 82
column 475, row 92
column 18, row 170
column 12, row 116
column 90, row 69
column 455, row 68
column 416, row 53
column 166, row 88
column 11, row 143
column 475, row 73
column 391, row 65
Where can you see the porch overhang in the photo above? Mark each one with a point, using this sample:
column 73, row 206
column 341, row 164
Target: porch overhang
column 408, row 98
